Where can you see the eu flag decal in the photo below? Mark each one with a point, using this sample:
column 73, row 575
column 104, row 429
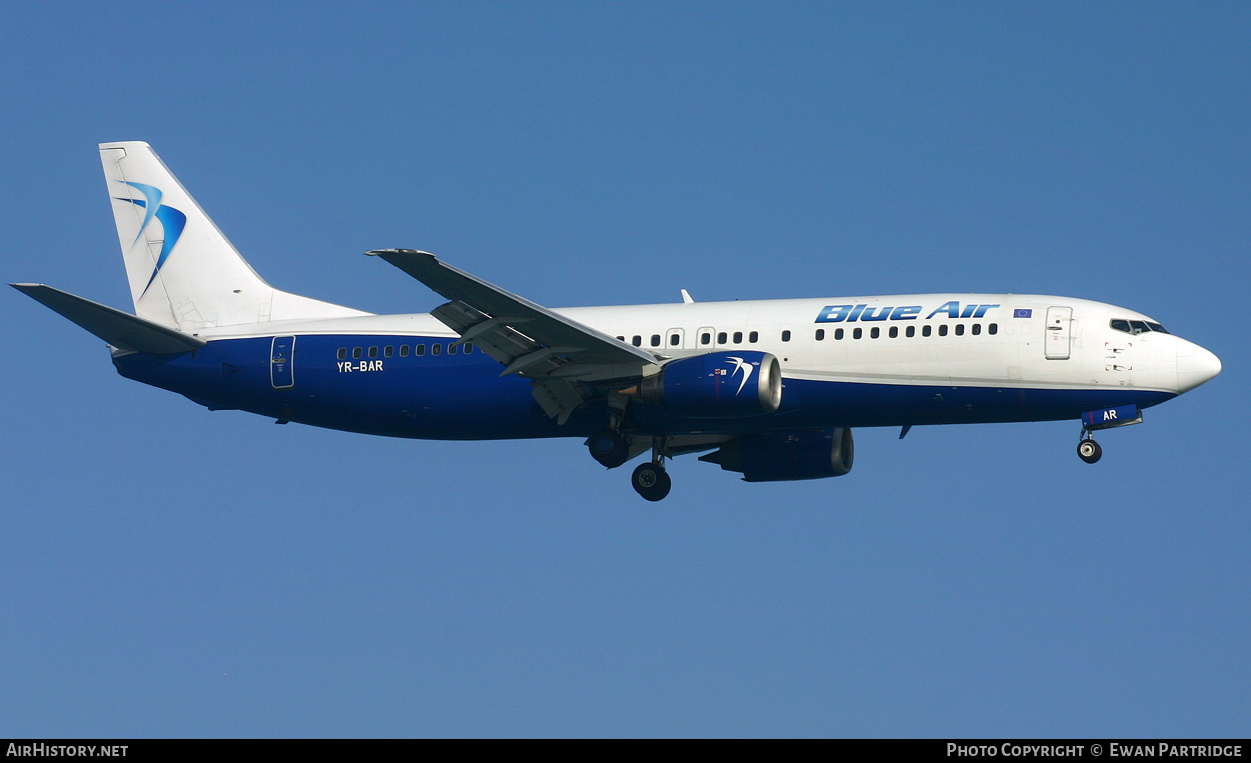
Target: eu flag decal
column 1026, row 313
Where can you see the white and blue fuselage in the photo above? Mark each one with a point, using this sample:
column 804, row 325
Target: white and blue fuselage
column 927, row 365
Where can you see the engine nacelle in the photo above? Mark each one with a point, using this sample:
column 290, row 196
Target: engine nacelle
column 780, row 456
column 720, row 384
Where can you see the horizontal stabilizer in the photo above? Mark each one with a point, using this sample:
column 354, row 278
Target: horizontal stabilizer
column 122, row 330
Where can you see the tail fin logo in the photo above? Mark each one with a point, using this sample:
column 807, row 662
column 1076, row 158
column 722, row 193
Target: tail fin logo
column 172, row 221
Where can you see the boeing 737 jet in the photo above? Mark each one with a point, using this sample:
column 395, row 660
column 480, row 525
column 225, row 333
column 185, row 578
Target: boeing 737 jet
column 769, row 389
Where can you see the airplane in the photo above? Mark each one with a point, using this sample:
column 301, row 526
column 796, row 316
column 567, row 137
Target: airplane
column 769, row 389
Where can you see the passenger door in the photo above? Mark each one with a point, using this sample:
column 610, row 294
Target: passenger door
column 1059, row 332
column 281, row 366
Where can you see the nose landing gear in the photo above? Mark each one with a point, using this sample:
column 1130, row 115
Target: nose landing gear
column 1088, row 450
column 1108, row 418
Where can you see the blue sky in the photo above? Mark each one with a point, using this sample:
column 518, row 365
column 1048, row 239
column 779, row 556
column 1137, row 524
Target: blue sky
column 167, row 571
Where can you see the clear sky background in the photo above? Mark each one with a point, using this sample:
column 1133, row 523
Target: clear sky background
column 167, row 571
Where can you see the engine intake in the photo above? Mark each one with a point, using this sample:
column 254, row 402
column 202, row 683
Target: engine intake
column 781, row 456
column 716, row 385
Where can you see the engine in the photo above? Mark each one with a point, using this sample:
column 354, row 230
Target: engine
column 716, row 385
column 780, row 456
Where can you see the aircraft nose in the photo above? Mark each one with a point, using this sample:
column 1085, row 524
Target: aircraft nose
column 1195, row 365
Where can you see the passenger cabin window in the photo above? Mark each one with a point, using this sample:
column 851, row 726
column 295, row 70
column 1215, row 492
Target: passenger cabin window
column 857, row 333
column 721, row 335
column 959, row 329
column 753, row 337
column 674, row 340
column 435, row 349
column 894, row 331
column 705, row 338
column 403, row 351
column 820, row 335
column 992, row 328
column 388, row 351
column 911, row 331
column 637, row 341
column 451, row 349
column 342, row 354
column 655, row 340
column 875, row 332
column 839, row 334
column 356, row 353
column 738, row 337
column 942, row 330
column 419, row 349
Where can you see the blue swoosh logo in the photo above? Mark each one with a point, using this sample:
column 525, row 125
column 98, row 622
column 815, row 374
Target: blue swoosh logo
column 745, row 367
column 171, row 219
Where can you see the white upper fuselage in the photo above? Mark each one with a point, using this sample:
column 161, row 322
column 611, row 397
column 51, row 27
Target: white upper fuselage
column 920, row 339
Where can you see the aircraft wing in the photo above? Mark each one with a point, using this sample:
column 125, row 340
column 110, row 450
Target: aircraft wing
column 554, row 352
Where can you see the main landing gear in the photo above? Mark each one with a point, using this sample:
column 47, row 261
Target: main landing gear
column 608, row 447
column 651, row 481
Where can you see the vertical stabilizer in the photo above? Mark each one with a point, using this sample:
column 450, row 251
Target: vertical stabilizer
column 183, row 272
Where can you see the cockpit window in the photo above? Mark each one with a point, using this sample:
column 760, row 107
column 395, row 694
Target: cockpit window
column 1136, row 327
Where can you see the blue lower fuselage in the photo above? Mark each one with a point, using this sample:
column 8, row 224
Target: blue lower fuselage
column 463, row 397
